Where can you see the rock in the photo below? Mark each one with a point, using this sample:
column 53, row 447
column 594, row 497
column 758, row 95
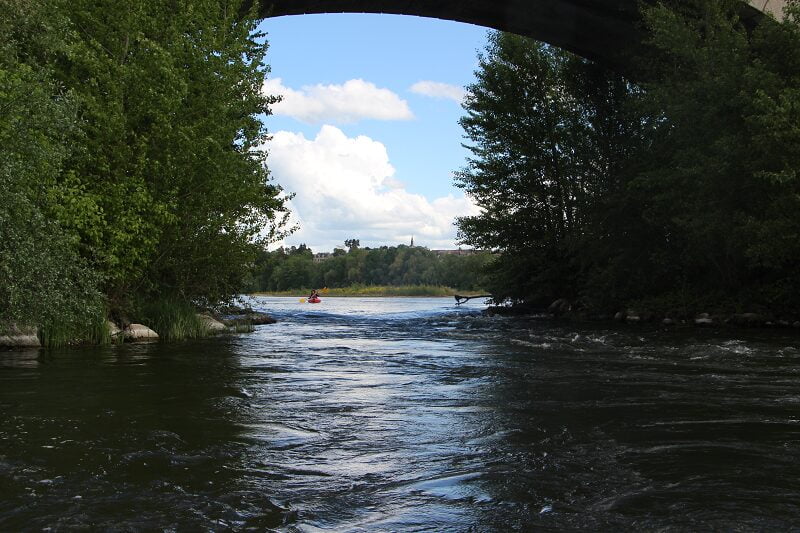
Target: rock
column 258, row 319
column 619, row 316
column 113, row 329
column 783, row 323
column 139, row 333
column 747, row 319
column 703, row 319
column 20, row 337
column 559, row 307
column 213, row 325
column 796, row 324
column 253, row 318
column 632, row 316
column 668, row 322
column 20, row 341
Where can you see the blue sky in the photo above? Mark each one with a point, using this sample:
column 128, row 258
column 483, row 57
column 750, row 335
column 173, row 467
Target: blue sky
column 368, row 133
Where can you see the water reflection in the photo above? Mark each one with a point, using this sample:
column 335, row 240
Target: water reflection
column 19, row 358
column 125, row 438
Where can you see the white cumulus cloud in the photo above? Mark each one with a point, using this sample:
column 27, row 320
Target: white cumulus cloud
column 349, row 102
column 437, row 89
column 346, row 189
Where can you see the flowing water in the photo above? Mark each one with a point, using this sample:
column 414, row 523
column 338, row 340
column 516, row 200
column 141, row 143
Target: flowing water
column 406, row 414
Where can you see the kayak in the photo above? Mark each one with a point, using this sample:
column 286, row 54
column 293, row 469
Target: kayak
column 314, row 300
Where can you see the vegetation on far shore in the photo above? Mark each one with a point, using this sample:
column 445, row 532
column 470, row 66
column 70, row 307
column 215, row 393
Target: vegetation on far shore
column 401, row 269
column 378, row 290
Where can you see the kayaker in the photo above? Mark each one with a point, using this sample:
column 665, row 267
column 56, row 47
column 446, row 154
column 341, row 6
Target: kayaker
column 314, row 294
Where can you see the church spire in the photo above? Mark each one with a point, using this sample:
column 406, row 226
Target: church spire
column 412, row 241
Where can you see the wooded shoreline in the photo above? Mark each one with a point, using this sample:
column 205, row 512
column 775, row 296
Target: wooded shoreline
column 430, row 291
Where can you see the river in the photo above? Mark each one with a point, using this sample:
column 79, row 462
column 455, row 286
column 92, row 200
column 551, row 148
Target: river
column 406, row 414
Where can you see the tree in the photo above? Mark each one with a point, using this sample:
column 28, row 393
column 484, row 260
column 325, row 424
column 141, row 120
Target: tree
column 175, row 196
column 43, row 280
column 545, row 130
column 716, row 190
column 295, row 268
column 676, row 193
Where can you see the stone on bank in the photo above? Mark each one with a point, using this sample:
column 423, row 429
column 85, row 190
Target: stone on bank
column 139, row 333
column 560, row 307
column 212, row 324
column 20, row 337
column 704, row 319
column 113, row 330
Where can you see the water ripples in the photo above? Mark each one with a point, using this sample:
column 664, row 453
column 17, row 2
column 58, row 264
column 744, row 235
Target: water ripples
column 405, row 414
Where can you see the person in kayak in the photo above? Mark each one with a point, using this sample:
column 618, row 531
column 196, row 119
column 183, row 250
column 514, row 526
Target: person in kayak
column 314, row 295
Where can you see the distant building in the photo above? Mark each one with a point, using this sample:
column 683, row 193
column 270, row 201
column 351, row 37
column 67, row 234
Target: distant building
column 459, row 251
column 322, row 256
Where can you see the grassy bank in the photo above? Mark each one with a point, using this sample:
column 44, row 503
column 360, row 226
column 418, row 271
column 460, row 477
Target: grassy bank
column 379, row 290
column 173, row 319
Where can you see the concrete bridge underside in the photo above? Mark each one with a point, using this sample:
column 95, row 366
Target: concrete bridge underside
column 602, row 30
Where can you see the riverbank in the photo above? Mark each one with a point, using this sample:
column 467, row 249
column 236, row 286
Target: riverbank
column 163, row 322
column 563, row 309
column 379, row 291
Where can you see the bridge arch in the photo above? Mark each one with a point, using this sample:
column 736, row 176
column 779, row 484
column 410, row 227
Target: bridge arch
column 602, row 30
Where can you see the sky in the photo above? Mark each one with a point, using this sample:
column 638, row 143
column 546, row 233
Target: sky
column 367, row 134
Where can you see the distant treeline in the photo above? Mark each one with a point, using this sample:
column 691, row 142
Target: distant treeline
column 675, row 189
column 295, row 269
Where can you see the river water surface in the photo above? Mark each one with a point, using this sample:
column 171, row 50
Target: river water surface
column 405, row 414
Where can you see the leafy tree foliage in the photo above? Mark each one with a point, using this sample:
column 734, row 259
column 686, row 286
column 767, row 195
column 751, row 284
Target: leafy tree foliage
column 714, row 197
column 680, row 191
column 173, row 190
column 548, row 137
column 295, row 269
column 131, row 155
column 43, row 280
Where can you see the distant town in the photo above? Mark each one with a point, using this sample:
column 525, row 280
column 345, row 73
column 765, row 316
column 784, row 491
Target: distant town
column 322, row 256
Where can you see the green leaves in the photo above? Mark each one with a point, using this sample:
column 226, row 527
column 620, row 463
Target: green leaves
column 295, row 268
column 130, row 138
column 43, row 280
column 174, row 197
column 686, row 184
column 546, row 132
